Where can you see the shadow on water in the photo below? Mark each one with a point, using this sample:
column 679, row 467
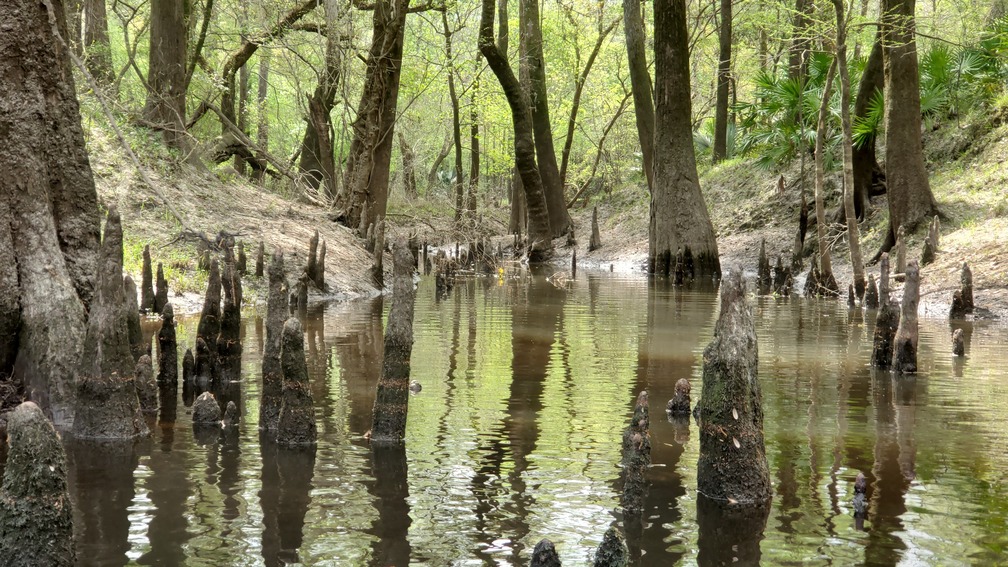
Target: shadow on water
column 391, row 490
column 285, row 496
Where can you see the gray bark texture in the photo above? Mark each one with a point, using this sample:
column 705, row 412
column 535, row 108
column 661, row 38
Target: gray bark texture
column 640, row 84
column 167, row 348
column 905, row 344
column 732, row 467
column 296, row 425
column 272, row 374
column 636, row 457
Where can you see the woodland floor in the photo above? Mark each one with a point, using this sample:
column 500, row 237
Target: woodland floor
column 968, row 177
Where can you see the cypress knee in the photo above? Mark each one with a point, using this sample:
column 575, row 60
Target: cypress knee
column 545, row 555
column 613, row 551
column 137, row 348
column 259, row 263
column 732, row 466
column 679, row 405
column 900, row 254
column 296, row 425
column 107, row 406
column 147, row 283
column 966, row 280
column 188, row 367
column 871, row 300
column 36, row 514
column 272, row 374
column 320, row 268
column 763, row 270
column 161, row 295
column 229, row 338
column 241, row 263
column 391, row 402
column 905, row 345
column 147, row 390
column 209, row 323
column 958, row 344
column 596, row 239
column 636, row 457
column 206, row 410
column 886, row 320
column 167, row 348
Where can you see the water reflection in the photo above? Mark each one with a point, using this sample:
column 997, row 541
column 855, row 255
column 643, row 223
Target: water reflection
column 526, row 389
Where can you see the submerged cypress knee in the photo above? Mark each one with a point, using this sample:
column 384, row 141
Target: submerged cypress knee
column 966, row 280
column 763, row 270
column 36, row 515
column 188, row 367
column 958, row 344
column 545, row 555
column 679, row 405
column 167, row 348
column 613, row 551
column 272, row 374
column 313, row 243
column 319, row 276
column 296, row 425
column 392, row 399
column 206, row 410
column 137, row 348
column 595, row 242
column 147, row 390
column 107, row 406
column 886, row 320
column 241, row 263
column 900, row 254
column 732, row 466
column 204, row 371
column 905, row 345
column 147, row 283
column 229, row 338
column 161, row 293
column 636, row 457
column 209, row 323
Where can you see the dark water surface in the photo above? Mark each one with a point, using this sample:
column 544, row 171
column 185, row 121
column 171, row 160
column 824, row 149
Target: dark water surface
column 516, row 437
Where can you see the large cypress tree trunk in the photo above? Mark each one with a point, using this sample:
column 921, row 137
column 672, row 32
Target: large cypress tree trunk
column 866, row 166
column 853, row 238
column 364, row 195
column 640, row 84
column 48, row 193
column 166, row 99
column 910, row 197
column 681, row 235
column 318, row 163
column 540, row 237
column 531, row 36
column 724, row 70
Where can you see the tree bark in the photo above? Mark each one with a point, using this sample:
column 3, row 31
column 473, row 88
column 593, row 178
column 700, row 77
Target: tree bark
column 409, row 167
column 392, row 399
column 681, row 235
column 97, row 49
column 540, row 236
column 531, row 36
column 910, row 197
column 866, row 166
column 640, row 84
column 364, row 195
column 798, row 51
column 474, row 143
column 720, row 151
column 166, row 76
column 853, row 238
column 262, row 127
column 825, row 262
column 50, row 223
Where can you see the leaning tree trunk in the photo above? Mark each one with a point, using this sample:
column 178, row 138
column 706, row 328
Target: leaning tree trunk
column 910, row 197
column 318, row 163
column 531, row 36
column 723, row 76
column 640, row 84
column 459, row 183
column 866, row 166
column 364, row 194
column 97, row 49
column 853, row 238
column 166, row 98
column 540, row 237
column 49, row 224
column 681, row 235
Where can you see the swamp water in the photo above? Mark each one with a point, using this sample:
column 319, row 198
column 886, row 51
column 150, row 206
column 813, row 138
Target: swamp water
column 516, row 437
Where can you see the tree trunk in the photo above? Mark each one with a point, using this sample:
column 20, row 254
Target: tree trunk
column 243, row 95
column 540, row 237
column 531, row 36
column 458, row 183
column 409, row 167
column 854, row 239
column 438, row 160
column 50, row 219
column 97, row 50
column 681, row 235
column 166, row 100
column 262, row 127
column 723, row 76
column 798, row 52
column 318, row 163
column 825, row 262
column 364, row 195
column 866, row 166
column 518, row 224
column 474, row 143
column 640, row 84
column 392, row 398
column 74, row 15
column 910, row 197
